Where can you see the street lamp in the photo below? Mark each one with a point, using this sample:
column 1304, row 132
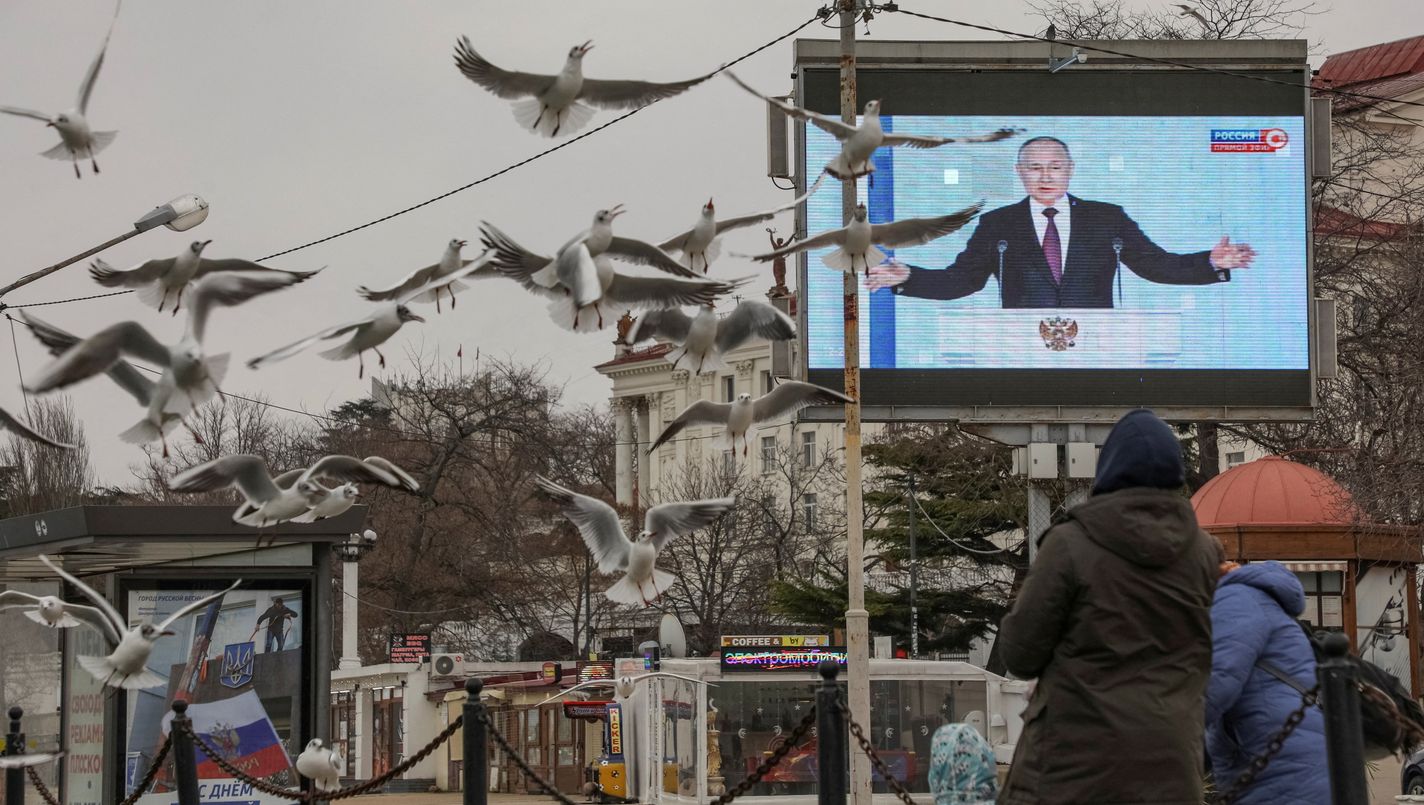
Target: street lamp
column 180, row 214
column 350, row 552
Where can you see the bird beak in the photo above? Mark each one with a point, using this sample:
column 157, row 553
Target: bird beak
column 586, row 46
column 205, row 243
column 709, row 204
column 414, row 317
column 167, row 633
column 616, row 211
column 50, row 124
column 463, row 243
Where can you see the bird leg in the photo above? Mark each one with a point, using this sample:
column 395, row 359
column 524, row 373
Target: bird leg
column 382, row 357
column 360, row 365
column 93, row 163
column 178, row 303
column 437, row 301
column 75, row 158
column 600, row 315
column 452, row 296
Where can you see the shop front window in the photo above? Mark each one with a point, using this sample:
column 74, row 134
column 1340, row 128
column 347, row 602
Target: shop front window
column 904, row 715
column 681, row 725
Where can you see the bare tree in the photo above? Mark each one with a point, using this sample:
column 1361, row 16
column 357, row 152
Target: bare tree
column 38, row 477
column 1200, row 19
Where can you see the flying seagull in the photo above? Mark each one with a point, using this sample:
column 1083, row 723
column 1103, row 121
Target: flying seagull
column 450, row 268
column 584, row 289
column 12, row 423
column 602, row 532
column 76, row 139
column 858, row 143
column 321, row 764
column 126, row 667
column 267, row 503
column 367, row 333
column 703, row 340
column 32, row 759
column 47, row 610
column 160, row 283
column 701, row 244
column 739, row 416
column 1188, row 11
column 189, row 377
column 331, row 502
column 858, row 239
column 561, row 104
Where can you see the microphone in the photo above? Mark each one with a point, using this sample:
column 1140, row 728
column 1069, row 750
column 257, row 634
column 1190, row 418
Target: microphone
column 1117, row 266
column 1003, row 247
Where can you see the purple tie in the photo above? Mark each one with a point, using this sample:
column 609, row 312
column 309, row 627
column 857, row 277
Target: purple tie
column 1052, row 249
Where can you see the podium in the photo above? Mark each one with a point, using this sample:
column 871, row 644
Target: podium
column 1048, row 338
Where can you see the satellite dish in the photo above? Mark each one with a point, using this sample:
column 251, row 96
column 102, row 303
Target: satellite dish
column 975, row 719
column 671, row 636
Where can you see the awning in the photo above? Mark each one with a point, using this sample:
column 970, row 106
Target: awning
column 1316, row 566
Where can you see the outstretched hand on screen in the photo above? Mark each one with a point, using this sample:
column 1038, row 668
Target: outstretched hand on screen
column 887, row 275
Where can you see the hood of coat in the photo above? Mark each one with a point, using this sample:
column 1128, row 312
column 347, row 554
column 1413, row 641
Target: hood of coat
column 1148, row 527
column 1273, row 579
column 1141, row 451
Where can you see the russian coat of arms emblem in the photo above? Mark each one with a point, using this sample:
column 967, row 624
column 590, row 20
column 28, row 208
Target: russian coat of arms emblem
column 1058, row 333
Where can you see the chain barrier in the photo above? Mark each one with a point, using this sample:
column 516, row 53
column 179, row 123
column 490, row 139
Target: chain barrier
column 875, row 759
column 152, row 773
column 792, row 740
column 1404, row 727
column 1273, row 747
column 39, row 786
column 314, row 795
column 529, row 774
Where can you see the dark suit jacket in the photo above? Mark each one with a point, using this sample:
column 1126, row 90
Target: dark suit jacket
column 1088, row 269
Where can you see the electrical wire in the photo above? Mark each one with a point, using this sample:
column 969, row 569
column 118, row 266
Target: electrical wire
column 366, row 603
column 18, row 369
column 956, row 542
column 1167, row 62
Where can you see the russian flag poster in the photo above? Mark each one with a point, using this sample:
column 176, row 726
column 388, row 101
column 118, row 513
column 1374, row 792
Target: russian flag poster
column 239, row 729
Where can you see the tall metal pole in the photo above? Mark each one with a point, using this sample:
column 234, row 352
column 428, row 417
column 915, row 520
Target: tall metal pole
column 15, row 745
column 857, row 618
column 914, row 576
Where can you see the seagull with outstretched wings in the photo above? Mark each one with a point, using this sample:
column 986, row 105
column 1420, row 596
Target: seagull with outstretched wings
column 857, row 240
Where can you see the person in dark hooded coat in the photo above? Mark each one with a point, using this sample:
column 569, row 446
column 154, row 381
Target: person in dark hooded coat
column 1114, row 619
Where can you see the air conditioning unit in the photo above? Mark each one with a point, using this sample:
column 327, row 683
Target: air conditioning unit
column 447, row 665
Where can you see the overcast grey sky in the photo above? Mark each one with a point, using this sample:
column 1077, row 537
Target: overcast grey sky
column 296, row 120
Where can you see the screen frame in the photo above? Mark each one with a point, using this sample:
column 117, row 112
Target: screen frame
column 1098, row 395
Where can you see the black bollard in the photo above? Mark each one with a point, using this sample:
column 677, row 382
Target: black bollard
column 476, row 739
column 185, row 762
column 830, row 738
column 15, row 745
column 1344, row 737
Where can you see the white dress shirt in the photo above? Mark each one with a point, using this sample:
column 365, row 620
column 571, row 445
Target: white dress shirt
column 1063, row 220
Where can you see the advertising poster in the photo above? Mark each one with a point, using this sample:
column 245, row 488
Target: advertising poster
column 84, row 722
column 238, row 662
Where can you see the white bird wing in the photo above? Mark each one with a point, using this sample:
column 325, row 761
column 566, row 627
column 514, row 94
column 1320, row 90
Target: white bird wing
column 767, row 215
column 405, row 479
column 86, row 88
column 928, row 141
column 11, row 423
column 702, row 412
column 792, row 396
column 831, row 237
column 503, row 83
column 752, row 319
column 196, row 605
column 415, row 279
column 646, row 254
column 247, row 472
column 835, row 127
column 98, row 353
column 579, row 274
column 222, row 264
column 914, row 231
column 668, row 520
column 596, row 521
column 670, row 323
column 94, row 618
column 30, row 759
column 141, row 274
column 347, row 468
column 229, row 288
column 15, row 110
column 661, row 292
column 122, row 372
column 9, row 599
column 282, row 353
column 518, row 263
column 111, row 624
column 628, row 94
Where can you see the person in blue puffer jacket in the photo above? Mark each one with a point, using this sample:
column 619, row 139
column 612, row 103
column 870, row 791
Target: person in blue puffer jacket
column 1253, row 622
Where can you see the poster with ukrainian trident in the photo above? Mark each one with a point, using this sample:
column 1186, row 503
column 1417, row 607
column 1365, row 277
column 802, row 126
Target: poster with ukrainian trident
column 239, row 664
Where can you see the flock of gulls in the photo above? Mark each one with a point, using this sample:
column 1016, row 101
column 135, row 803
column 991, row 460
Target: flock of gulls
column 585, row 293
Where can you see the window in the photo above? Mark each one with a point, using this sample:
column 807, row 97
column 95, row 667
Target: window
column 808, row 508
column 1324, row 597
column 808, row 448
column 729, row 388
column 766, row 381
column 1236, row 457
column 768, row 454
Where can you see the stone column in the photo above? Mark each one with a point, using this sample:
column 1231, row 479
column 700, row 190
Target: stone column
column 623, row 430
column 641, row 412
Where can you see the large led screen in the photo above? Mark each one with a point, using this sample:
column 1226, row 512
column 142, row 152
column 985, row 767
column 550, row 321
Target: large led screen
column 1117, row 260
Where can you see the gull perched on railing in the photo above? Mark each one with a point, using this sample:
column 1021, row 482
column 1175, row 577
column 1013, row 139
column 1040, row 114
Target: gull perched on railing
column 561, row 104
column 12, row 423
column 157, row 283
column 703, row 340
column 603, row 533
column 858, row 143
column 739, row 416
column 126, row 667
column 858, row 239
column 267, row 502
column 76, row 139
column 584, row 289
column 451, row 269
column 189, row 377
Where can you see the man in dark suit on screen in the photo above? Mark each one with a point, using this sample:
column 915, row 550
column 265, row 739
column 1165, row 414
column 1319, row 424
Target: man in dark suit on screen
column 1056, row 250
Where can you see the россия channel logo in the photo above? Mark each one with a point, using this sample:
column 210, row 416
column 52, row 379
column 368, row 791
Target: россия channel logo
column 1248, row 140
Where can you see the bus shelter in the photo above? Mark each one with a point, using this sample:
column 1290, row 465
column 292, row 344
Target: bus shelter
column 254, row 665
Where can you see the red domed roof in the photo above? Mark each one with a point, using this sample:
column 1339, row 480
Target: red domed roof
column 1273, row 490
